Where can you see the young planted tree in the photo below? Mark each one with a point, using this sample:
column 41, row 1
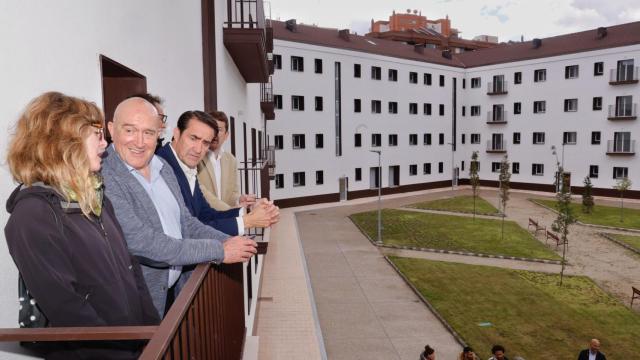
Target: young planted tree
column 474, row 179
column 622, row 185
column 587, row 197
column 565, row 216
column 505, row 177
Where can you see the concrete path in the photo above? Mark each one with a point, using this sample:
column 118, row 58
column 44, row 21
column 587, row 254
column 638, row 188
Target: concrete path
column 366, row 311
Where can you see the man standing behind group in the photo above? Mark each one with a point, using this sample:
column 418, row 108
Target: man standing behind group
column 217, row 172
column 158, row 228
column 192, row 137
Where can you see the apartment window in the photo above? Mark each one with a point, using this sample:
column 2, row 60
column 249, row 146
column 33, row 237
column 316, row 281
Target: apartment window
column 357, row 140
column 319, row 177
column 319, row 103
column 517, row 108
column 426, row 139
column 516, row 138
column 426, row 78
column 358, row 174
column 517, row 77
column 441, row 139
column 463, row 138
column 462, row 165
column 464, row 111
column 539, row 107
column 569, row 138
column 413, row 139
column 598, row 69
column 595, row 137
column 538, row 138
column 393, row 107
column 278, row 142
column 393, row 140
column 593, row 171
column 297, row 103
column 515, row 168
column 298, row 178
column 297, row 63
column 413, row 108
column 356, row 70
column 570, row 105
column 357, row 105
column 597, row 103
column 475, row 110
column 279, row 181
column 277, row 61
column 441, row 80
column 475, row 82
column 376, row 140
column 464, row 83
column 624, row 106
column 318, row 66
column 277, row 101
column 413, row 170
column 319, row 141
column 495, row 166
column 571, row 72
column 440, row 167
column 298, row 141
column 475, row 138
column 426, row 168
column 441, row 109
column 376, row 73
column 376, row 106
column 537, row 169
column 426, row 108
column 540, row 75
column 393, row 75
column 620, row 172
column 413, row 77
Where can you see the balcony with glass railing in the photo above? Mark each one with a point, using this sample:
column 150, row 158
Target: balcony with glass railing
column 496, row 146
column 623, row 75
column 627, row 111
column 497, row 88
column 497, row 117
column 621, row 147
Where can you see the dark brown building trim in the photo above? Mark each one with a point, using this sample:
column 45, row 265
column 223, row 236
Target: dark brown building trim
column 209, row 55
column 550, row 188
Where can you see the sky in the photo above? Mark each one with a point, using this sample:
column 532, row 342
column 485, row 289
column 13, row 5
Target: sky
column 507, row 19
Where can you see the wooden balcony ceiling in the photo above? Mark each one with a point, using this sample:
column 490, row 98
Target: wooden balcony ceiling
column 247, row 47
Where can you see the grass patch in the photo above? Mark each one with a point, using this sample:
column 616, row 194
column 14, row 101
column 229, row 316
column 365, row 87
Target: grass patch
column 450, row 232
column 529, row 314
column 601, row 215
column 633, row 241
column 459, row 203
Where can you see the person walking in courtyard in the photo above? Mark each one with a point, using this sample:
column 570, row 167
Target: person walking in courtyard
column 593, row 352
column 428, row 354
column 467, row 354
column 498, row 352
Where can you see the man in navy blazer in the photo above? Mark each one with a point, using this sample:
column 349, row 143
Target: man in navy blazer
column 593, row 352
column 192, row 136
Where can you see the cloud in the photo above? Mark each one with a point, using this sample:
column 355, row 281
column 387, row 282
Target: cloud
column 496, row 11
column 593, row 13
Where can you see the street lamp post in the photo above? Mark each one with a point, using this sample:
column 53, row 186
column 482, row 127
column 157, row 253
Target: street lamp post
column 379, row 241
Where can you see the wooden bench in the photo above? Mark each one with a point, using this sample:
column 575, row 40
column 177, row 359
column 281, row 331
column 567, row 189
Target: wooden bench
column 635, row 294
column 555, row 237
column 536, row 226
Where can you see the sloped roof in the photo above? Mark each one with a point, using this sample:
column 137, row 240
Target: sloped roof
column 617, row 36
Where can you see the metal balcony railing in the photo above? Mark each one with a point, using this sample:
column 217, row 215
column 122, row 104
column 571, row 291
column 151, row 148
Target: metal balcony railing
column 621, row 147
column 496, row 146
column 626, row 112
column 497, row 88
column 246, row 14
column 266, row 91
column 623, row 75
column 496, row 117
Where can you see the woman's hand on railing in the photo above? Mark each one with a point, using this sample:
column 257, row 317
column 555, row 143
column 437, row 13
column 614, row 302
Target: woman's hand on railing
column 238, row 249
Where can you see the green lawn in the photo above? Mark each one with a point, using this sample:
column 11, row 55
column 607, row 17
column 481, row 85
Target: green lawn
column 601, row 215
column 450, row 232
column 631, row 240
column 527, row 311
column 459, row 203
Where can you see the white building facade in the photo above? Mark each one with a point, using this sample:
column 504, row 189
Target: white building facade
column 518, row 100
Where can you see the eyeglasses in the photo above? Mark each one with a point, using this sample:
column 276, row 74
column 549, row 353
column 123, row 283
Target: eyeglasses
column 163, row 117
